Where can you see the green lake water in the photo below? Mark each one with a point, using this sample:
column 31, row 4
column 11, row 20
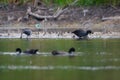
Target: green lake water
column 96, row 59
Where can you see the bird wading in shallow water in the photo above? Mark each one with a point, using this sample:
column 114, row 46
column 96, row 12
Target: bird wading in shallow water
column 30, row 51
column 81, row 34
column 27, row 32
column 70, row 52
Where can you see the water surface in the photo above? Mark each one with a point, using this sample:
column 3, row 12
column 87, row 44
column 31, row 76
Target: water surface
column 97, row 59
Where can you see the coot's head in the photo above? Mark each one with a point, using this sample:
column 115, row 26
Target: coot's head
column 18, row 50
column 71, row 50
column 35, row 51
column 89, row 32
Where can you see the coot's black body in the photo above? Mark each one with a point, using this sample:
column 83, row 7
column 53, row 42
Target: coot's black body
column 30, row 51
column 27, row 32
column 55, row 52
column 81, row 33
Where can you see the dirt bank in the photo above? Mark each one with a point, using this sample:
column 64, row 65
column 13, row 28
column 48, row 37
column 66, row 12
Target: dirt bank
column 73, row 18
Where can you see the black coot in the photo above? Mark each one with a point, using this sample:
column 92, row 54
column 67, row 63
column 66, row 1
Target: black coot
column 30, row 51
column 27, row 32
column 81, row 33
column 55, row 52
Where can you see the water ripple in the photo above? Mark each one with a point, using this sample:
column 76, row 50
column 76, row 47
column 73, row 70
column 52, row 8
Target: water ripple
column 91, row 68
column 40, row 53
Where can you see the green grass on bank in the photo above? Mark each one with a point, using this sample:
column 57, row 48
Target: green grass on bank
column 65, row 2
column 84, row 2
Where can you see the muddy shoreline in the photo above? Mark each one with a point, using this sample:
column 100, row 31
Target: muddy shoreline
column 74, row 18
column 56, row 32
column 58, row 35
